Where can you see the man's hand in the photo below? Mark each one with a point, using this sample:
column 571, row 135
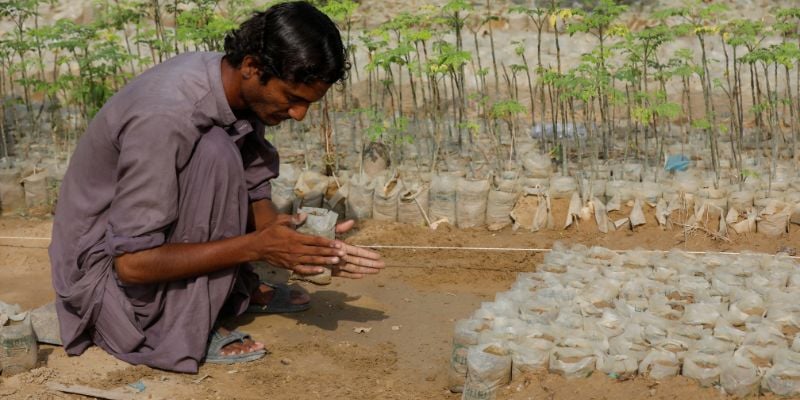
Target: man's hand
column 357, row 261
column 282, row 246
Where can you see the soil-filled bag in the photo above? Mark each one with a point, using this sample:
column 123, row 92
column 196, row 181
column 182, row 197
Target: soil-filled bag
column 501, row 201
column 622, row 190
column 705, row 368
column 741, row 199
column 319, row 222
column 336, row 199
column 660, row 364
column 572, row 362
column 442, row 198
column 12, row 194
column 783, row 378
column 465, row 335
column 740, row 377
column 413, row 206
column 471, row 199
column 530, row 355
column 649, row 192
column 774, row 220
column 537, row 165
column 619, row 365
column 310, row 189
column 360, row 193
column 18, row 347
column 562, row 187
column 36, row 194
column 384, row 204
column 283, row 188
column 488, row 368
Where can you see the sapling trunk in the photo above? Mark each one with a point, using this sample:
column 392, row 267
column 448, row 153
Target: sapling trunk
column 630, row 117
column 530, row 86
column 709, row 108
column 491, row 45
column 771, row 123
column 792, row 116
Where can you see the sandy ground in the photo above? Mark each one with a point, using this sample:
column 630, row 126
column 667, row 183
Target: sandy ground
column 409, row 311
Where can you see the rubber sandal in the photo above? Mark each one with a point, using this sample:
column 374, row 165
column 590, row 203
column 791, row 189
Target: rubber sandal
column 216, row 342
column 281, row 302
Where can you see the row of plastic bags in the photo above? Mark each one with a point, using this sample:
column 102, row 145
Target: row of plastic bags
column 727, row 320
column 498, row 201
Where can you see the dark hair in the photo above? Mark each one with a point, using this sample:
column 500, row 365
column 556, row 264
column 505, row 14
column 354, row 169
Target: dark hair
column 292, row 41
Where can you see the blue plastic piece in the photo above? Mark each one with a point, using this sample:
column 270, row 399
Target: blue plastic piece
column 677, row 162
column 138, row 386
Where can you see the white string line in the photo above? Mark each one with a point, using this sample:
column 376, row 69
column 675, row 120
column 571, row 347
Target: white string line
column 500, row 249
column 535, row 250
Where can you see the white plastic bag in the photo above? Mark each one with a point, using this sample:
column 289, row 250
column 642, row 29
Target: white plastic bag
column 572, row 362
column 488, row 368
column 740, row 377
column 659, row 364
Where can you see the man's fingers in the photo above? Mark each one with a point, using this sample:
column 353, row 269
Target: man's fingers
column 357, row 269
column 364, row 262
column 345, row 274
column 345, row 226
column 308, row 269
column 318, row 260
column 360, row 252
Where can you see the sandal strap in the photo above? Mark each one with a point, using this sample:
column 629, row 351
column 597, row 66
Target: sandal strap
column 217, row 341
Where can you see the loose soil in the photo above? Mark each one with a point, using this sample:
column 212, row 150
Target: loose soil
column 408, row 310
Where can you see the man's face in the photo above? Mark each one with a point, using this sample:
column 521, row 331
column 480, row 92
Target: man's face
column 279, row 100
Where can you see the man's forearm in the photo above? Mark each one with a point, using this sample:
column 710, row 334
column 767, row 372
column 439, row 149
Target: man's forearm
column 175, row 261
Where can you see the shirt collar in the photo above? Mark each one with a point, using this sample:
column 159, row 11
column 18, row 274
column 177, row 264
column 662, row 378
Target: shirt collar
column 224, row 115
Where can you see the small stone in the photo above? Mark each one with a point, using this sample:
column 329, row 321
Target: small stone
column 652, row 392
column 286, row 361
column 396, row 327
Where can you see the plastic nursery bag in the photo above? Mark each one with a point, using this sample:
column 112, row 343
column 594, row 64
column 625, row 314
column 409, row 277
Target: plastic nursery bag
column 319, row 222
column 309, row 189
column 572, row 362
column 529, row 355
column 359, row 198
column 740, row 377
column 783, row 378
column 471, row 199
column 659, row 364
column 705, row 368
column 488, row 368
column 620, row 366
column 384, row 203
column 465, row 335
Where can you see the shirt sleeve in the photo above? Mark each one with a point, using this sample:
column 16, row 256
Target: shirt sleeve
column 152, row 149
column 261, row 164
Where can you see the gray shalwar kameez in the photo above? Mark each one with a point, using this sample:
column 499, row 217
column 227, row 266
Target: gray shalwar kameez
column 164, row 161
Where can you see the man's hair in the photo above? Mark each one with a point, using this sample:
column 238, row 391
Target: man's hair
column 293, row 42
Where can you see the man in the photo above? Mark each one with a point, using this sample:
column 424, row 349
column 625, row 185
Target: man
column 150, row 238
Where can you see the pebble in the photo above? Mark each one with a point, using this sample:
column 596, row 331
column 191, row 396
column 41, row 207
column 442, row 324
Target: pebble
column 286, row 361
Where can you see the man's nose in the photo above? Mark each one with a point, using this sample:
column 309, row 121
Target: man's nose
column 298, row 112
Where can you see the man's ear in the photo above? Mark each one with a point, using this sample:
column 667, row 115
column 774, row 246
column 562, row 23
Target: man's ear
column 250, row 67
